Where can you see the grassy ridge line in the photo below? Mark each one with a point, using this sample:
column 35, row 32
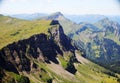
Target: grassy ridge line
column 12, row 30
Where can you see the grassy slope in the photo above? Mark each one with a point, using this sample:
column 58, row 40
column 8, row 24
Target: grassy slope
column 67, row 23
column 88, row 72
column 114, row 38
column 12, row 30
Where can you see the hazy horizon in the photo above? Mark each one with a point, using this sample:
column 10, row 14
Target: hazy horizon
column 76, row 7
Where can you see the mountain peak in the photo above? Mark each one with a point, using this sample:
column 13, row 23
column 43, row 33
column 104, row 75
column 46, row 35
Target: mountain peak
column 104, row 20
column 54, row 16
column 58, row 14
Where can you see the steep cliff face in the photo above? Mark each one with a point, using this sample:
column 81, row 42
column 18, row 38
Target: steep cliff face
column 19, row 56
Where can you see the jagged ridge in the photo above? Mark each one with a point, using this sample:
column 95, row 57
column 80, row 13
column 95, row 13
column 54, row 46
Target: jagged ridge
column 19, row 56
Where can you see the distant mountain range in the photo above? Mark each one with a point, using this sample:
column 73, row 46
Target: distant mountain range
column 92, row 18
column 29, row 16
column 101, row 45
column 89, row 18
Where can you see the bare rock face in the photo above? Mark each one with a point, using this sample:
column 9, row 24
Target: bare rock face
column 60, row 38
column 18, row 56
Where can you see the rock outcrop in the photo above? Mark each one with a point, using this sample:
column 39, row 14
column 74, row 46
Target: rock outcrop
column 19, row 56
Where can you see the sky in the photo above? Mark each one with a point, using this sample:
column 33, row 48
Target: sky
column 103, row 7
